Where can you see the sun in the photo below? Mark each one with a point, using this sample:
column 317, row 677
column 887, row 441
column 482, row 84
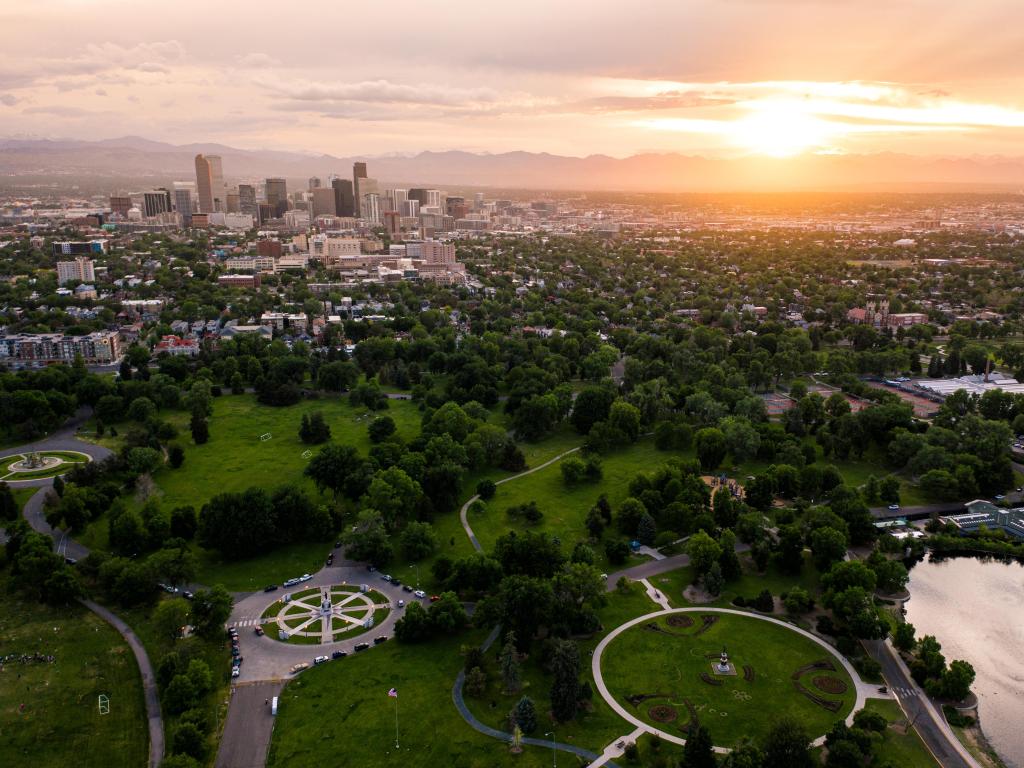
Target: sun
column 779, row 130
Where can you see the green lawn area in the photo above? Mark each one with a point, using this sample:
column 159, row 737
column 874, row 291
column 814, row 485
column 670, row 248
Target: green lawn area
column 22, row 495
column 665, row 668
column 61, row 724
column 341, row 710
column 896, row 747
column 565, row 507
column 748, row 585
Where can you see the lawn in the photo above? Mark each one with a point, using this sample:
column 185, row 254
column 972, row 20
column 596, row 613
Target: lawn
column 341, row 709
column 898, row 747
column 61, row 724
column 565, row 507
column 22, row 495
column 749, row 585
column 664, row 668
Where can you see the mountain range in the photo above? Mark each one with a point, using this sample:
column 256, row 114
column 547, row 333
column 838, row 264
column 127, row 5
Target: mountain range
column 138, row 158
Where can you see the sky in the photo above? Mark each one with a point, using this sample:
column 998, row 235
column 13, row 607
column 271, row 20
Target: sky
column 703, row 77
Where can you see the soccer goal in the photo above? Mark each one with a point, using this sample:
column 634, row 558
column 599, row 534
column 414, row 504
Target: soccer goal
column 104, row 704
column 265, row 436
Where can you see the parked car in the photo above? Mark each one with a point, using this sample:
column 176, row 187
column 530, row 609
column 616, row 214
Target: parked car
column 299, row 667
column 386, row 577
column 70, row 560
column 420, row 593
column 235, row 671
column 434, row 598
column 321, row 659
column 401, row 603
column 361, row 646
column 167, row 588
column 337, row 545
column 258, row 630
column 270, row 588
column 380, row 639
column 304, row 577
column 894, row 507
column 188, row 595
column 396, row 582
column 339, row 655
column 406, row 588
column 291, row 582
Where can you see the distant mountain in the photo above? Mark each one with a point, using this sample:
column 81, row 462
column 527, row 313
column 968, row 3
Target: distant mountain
column 139, row 158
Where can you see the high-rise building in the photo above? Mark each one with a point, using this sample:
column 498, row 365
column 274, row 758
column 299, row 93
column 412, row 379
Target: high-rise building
column 398, row 196
column 120, row 205
column 204, row 184
column 234, row 203
column 156, row 202
column 344, row 199
column 277, row 196
column 314, row 183
column 217, row 182
column 81, row 270
column 183, row 201
column 358, row 173
column 456, row 207
column 393, row 223
column 410, row 208
column 247, row 199
column 370, row 207
column 322, row 203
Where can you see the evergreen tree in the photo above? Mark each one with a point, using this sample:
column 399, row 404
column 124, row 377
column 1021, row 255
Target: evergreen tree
column 524, row 715
column 510, row 670
column 565, row 690
column 8, row 505
column 200, row 429
column 698, row 752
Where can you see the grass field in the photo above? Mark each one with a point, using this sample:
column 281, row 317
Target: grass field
column 898, row 747
column 565, row 507
column 666, row 669
column 22, row 495
column 341, row 711
column 61, row 724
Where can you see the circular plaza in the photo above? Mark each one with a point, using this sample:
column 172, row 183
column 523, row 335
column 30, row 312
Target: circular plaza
column 325, row 614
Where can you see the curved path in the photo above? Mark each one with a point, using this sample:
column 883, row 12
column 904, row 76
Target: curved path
column 464, row 512
column 153, row 714
column 862, row 688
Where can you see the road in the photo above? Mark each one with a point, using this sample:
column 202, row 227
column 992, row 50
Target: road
column 153, row 713
column 929, row 722
column 249, row 726
column 654, row 567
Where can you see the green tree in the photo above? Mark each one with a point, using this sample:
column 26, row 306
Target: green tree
column 903, row 637
column 787, row 745
column 525, row 715
column 698, row 751
column 170, row 617
column 703, row 551
column 565, row 687
column 711, row 448
column 828, row 546
column 210, row 609
column 511, row 671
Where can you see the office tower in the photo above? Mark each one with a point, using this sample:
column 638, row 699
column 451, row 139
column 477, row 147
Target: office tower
column 156, row 202
column 277, row 196
column 428, row 198
column 217, row 183
column 120, row 205
column 398, row 196
column 478, row 201
column 81, row 270
column 370, row 208
column 234, row 203
column 322, row 203
column 183, row 201
column 344, row 199
column 204, row 184
column 314, row 183
column 456, row 207
column 410, row 208
column 358, row 173
column 247, row 199
column 393, row 223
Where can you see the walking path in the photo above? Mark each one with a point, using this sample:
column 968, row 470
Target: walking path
column 464, row 512
column 656, row 595
column 153, row 714
column 863, row 689
column 617, row 748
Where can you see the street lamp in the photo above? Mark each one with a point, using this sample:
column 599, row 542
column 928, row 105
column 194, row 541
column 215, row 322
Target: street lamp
column 554, row 752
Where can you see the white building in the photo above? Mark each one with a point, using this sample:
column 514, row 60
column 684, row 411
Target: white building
column 81, row 270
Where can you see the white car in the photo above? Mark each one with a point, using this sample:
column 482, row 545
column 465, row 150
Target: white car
column 894, row 507
column 305, row 577
column 401, row 603
column 321, row 659
column 235, row 671
column 420, row 593
column 291, row 582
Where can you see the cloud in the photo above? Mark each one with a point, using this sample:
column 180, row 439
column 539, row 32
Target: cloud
column 59, row 111
column 257, row 60
column 8, row 99
column 381, row 92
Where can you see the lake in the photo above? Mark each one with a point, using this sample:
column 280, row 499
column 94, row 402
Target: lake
column 975, row 608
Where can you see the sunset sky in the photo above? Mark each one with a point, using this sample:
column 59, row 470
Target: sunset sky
column 711, row 77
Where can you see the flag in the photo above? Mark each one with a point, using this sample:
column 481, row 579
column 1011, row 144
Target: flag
column 393, row 693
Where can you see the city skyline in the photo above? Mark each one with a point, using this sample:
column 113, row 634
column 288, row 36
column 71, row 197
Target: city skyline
column 718, row 79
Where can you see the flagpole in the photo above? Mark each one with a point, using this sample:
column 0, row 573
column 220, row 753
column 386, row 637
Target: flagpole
column 396, row 722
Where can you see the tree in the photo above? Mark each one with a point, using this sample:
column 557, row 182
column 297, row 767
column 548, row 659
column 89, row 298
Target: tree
column 698, row 752
column 142, row 461
column 381, row 428
column 565, row 687
column 189, row 740
column 741, row 437
column 210, row 609
column 176, row 456
column 626, row 419
column 704, row 552
column 525, row 715
column 170, row 616
column 239, row 524
column 646, row 530
column 511, row 674
column 573, row 470
column 594, row 523
column 486, row 489
column 713, row 581
column 395, row 495
column 476, row 682
column 9, row 507
column 447, row 615
column 418, row 541
column 903, row 638
column 798, row 600
column 592, row 405
column 184, row 522
column 141, row 410
column 957, row 679
column 711, row 448
column 199, row 428
column 313, row 429
column 414, row 625
column 786, row 745
column 535, row 417
column 334, row 467
column 828, row 546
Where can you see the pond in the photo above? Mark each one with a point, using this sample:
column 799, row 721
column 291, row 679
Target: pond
column 975, row 608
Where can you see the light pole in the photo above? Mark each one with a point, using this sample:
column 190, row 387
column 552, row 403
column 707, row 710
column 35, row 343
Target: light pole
column 554, row 752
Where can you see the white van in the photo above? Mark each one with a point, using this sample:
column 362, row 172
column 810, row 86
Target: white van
column 273, row 706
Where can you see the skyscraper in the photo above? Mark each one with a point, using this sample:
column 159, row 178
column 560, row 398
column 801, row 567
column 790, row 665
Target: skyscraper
column 183, row 201
column 358, row 172
column 314, row 183
column 217, row 183
column 322, row 203
column 247, row 199
column 277, row 196
column 156, row 202
column 204, row 184
column 344, row 198
column 120, row 205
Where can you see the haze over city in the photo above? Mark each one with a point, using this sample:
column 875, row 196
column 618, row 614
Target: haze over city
column 721, row 79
